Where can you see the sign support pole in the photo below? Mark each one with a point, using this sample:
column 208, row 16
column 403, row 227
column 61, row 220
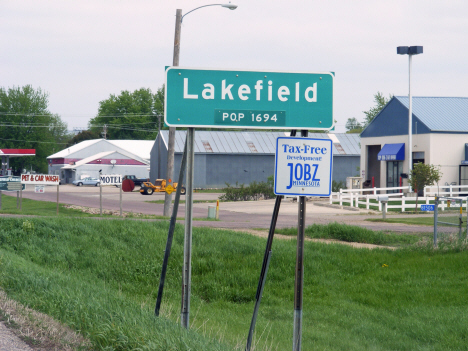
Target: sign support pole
column 58, row 191
column 264, row 272
column 100, row 195
column 0, row 200
column 121, row 214
column 299, row 281
column 265, row 265
column 170, row 234
column 21, row 197
column 17, row 199
column 187, row 268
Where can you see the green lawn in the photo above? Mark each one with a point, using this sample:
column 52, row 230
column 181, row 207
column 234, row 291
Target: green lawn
column 39, row 208
column 429, row 221
column 352, row 234
column 101, row 278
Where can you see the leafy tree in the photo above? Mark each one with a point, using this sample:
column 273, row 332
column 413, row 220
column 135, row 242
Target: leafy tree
column 27, row 124
column 81, row 136
column 380, row 102
column 353, row 126
column 423, row 175
column 130, row 115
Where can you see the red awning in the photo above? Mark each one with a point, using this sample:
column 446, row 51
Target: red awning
column 17, row 152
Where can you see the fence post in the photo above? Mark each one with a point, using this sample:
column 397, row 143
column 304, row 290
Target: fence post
column 436, row 212
column 451, row 191
column 403, row 207
column 375, row 191
column 351, row 199
column 341, row 199
column 367, row 202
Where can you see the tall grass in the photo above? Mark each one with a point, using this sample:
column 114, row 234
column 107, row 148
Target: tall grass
column 351, row 233
column 101, row 278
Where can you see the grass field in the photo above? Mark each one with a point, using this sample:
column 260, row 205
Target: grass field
column 101, row 278
column 352, row 234
column 39, row 208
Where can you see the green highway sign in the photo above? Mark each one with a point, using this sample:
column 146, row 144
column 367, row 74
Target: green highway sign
column 248, row 99
column 11, row 183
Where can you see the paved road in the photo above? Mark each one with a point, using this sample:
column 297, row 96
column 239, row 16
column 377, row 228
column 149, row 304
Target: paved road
column 249, row 214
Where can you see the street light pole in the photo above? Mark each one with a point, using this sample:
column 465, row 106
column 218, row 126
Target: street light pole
column 186, row 274
column 170, row 144
column 410, row 51
column 175, row 62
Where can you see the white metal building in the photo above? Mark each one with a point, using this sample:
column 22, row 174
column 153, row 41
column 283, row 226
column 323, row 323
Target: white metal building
column 87, row 158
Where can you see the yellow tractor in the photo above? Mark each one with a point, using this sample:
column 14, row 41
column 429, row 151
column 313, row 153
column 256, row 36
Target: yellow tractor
column 159, row 186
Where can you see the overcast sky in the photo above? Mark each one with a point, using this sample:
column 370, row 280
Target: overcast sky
column 80, row 52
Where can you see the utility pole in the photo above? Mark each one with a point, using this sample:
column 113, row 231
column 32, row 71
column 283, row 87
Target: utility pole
column 104, row 132
column 170, row 146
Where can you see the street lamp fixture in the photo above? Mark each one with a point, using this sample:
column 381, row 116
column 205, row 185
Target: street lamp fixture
column 410, row 51
column 228, row 6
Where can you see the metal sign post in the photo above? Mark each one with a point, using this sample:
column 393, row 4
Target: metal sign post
column 170, row 234
column 110, row 179
column 121, row 213
column 58, row 191
column 0, row 200
column 303, row 167
column 187, row 267
column 100, row 195
column 299, row 279
column 17, row 199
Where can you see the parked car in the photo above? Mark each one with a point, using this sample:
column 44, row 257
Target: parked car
column 136, row 181
column 87, row 181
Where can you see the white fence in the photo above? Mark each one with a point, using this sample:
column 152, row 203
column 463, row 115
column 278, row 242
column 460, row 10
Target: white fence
column 368, row 198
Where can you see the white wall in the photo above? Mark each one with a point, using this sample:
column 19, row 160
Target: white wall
column 447, row 151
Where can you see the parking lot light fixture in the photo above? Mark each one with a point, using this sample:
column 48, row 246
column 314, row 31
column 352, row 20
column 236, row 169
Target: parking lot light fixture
column 410, row 51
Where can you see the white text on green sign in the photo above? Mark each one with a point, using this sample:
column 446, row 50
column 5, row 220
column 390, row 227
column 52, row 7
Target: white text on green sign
column 248, row 99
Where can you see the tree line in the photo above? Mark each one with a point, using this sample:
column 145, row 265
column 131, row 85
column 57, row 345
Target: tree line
column 27, row 123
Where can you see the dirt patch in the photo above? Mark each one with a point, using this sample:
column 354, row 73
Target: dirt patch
column 264, row 234
column 38, row 330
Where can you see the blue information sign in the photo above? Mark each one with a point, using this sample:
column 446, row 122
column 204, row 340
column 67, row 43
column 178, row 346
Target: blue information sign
column 303, row 166
column 427, row 207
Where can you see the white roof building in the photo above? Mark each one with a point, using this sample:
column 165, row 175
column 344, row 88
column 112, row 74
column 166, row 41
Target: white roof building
column 87, row 158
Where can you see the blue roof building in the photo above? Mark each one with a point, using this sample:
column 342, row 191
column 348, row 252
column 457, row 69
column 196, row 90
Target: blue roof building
column 439, row 137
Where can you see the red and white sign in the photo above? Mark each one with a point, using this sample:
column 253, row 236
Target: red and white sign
column 40, row 179
column 39, row 189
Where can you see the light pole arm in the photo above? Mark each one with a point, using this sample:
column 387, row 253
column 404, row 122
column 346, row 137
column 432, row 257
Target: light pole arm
column 229, row 6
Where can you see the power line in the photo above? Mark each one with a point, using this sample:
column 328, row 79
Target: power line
column 110, row 116
column 34, row 141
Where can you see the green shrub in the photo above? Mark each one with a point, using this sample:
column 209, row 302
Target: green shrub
column 336, row 186
column 253, row 191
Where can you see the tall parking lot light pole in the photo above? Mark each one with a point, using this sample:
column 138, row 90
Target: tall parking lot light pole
column 410, row 51
column 175, row 62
